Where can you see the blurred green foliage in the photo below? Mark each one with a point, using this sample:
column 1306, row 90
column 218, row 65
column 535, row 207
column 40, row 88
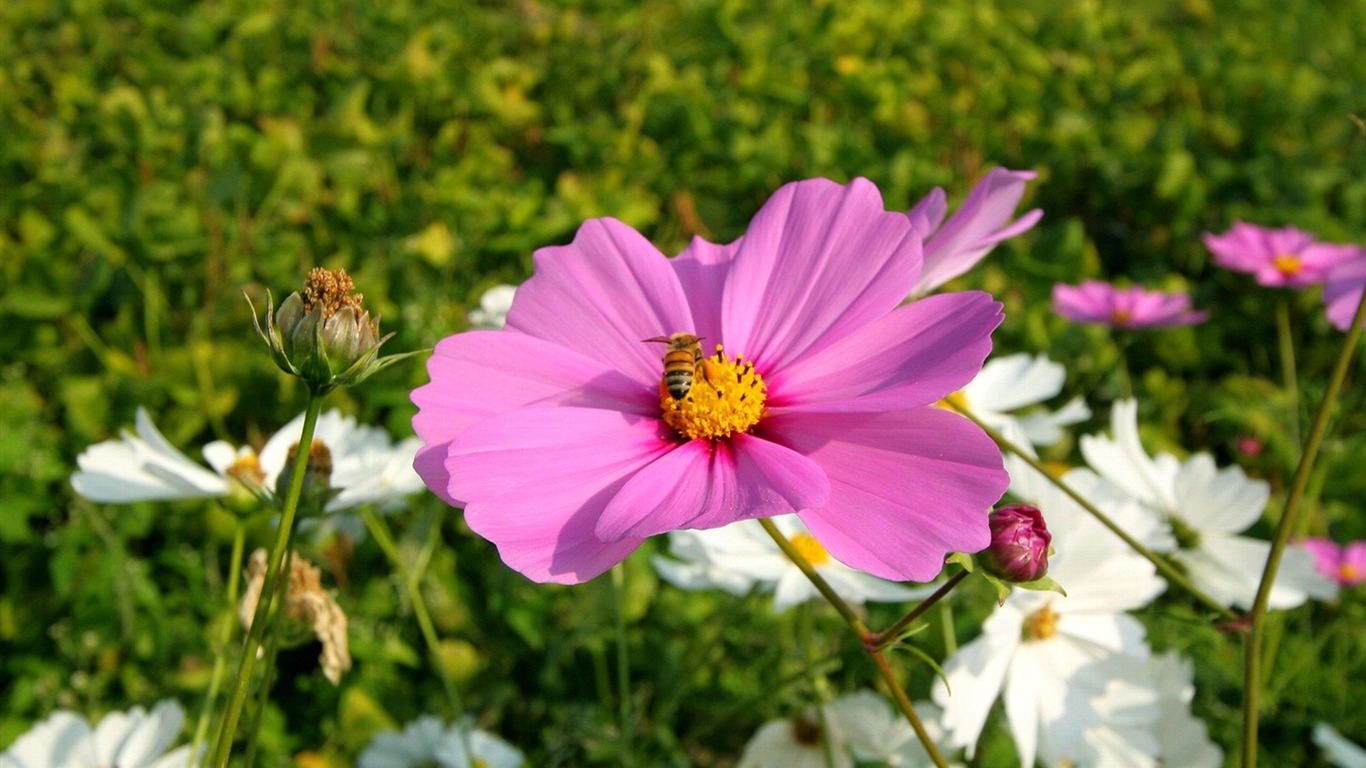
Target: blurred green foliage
column 157, row 159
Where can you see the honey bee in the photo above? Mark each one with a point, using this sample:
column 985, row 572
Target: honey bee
column 682, row 362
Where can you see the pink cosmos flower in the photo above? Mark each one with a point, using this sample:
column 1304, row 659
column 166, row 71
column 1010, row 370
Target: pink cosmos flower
column 1099, row 302
column 1285, row 257
column 979, row 224
column 565, row 450
column 1344, row 564
column 1342, row 292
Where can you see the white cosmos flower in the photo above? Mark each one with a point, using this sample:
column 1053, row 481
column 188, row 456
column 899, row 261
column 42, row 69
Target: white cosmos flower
column 1052, row 656
column 428, row 741
column 1207, row 508
column 493, row 307
column 367, row 467
column 1337, row 750
column 133, row 739
column 1005, row 385
column 742, row 556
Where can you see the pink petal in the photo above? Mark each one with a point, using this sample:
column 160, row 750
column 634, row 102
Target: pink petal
column 916, row 355
column 703, row 269
column 927, row 214
column 535, row 480
column 1327, row 556
column 818, row 261
column 707, row 485
column 979, row 224
column 906, row 487
column 478, row 374
column 1342, row 293
column 601, row 295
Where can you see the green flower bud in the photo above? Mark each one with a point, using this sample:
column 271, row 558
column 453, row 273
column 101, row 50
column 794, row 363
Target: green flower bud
column 322, row 334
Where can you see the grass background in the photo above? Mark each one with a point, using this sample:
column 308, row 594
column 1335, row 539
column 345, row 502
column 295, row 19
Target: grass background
column 159, row 158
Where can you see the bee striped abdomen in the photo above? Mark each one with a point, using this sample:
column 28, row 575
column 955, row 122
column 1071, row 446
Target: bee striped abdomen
column 681, row 361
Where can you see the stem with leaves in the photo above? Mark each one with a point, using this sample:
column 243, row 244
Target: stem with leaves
column 865, row 637
column 270, row 588
column 1252, row 643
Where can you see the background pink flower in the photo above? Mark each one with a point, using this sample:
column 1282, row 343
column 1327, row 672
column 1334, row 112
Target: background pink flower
column 1344, row 564
column 1276, row 257
column 551, row 433
column 1099, row 302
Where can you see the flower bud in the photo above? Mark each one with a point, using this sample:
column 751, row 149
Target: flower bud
column 322, row 334
column 1019, row 544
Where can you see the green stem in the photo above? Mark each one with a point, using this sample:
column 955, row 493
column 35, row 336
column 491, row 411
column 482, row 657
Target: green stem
column 220, row 660
column 1288, row 376
column 1171, row 572
column 623, row 665
column 1252, row 645
column 862, row 633
column 412, row 584
column 889, row 635
column 1126, row 383
column 270, row 587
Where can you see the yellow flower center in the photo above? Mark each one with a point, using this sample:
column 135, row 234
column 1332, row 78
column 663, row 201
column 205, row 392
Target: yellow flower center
column 1041, row 625
column 1287, row 264
column 954, row 402
column 1121, row 316
column 727, row 396
column 810, row 549
column 1348, row 573
column 247, row 471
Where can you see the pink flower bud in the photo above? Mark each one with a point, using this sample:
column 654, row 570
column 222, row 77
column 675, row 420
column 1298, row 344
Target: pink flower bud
column 1019, row 544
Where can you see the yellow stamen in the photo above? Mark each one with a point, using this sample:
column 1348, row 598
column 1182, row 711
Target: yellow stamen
column 247, row 471
column 1287, row 264
column 1121, row 316
column 810, row 549
column 954, row 402
column 1349, row 574
column 1041, row 625
column 727, row 396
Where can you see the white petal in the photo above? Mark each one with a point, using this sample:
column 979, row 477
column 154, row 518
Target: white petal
column 1007, row 383
column 142, row 467
column 1209, row 499
column 1338, row 750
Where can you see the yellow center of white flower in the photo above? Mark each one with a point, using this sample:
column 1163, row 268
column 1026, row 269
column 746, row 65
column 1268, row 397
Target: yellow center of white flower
column 1041, row 625
column 1287, row 264
column 955, row 402
column 810, row 549
column 727, row 396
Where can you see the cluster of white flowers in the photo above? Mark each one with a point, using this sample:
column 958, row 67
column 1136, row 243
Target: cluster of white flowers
column 367, row 467
column 1079, row 682
column 860, row 727
column 428, row 741
column 133, row 739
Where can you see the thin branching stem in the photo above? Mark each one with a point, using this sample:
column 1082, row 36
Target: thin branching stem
column 862, row 633
column 1252, row 644
column 889, row 635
